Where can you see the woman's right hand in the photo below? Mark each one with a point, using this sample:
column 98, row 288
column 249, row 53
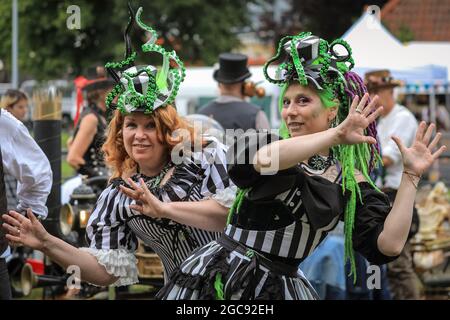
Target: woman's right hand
column 146, row 202
column 360, row 115
column 22, row 231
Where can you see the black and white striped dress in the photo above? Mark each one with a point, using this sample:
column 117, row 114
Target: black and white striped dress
column 113, row 228
column 281, row 220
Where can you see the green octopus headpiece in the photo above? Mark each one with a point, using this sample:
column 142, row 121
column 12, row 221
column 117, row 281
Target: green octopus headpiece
column 144, row 88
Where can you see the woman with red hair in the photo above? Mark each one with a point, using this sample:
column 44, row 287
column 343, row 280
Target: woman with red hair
column 140, row 141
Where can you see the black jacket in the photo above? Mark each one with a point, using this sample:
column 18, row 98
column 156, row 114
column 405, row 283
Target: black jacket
column 232, row 115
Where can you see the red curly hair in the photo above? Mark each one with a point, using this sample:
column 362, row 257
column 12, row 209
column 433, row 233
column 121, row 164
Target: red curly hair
column 166, row 120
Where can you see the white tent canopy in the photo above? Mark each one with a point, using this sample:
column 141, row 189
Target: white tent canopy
column 374, row 47
column 431, row 53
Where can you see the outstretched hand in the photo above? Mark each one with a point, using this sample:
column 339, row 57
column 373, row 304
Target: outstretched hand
column 24, row 231
column 146, row 202
column 360, row 115
column 419, row 157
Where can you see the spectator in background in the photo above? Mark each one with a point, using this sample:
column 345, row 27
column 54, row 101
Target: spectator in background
column 16, row 103
column 24, row 160
column 84, row 154
column 442, row 117
column 230, row 109
column 396, row 120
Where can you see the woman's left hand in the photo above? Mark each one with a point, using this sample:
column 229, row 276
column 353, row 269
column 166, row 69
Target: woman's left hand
column 419, row 157
column 360, row 115
column 146, row 202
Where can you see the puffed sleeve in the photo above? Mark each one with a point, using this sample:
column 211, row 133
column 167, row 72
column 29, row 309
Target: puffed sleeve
column 369, row 222
column 216, row 184
column 110, row 239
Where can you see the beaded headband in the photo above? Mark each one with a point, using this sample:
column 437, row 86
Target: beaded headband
column 144, row 88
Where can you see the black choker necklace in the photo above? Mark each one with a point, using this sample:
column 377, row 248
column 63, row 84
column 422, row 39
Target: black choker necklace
column 318, row 164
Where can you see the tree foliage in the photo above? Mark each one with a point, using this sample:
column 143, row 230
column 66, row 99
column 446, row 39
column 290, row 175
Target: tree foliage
column 331, row 19
column 199, row 30
column 327, row 19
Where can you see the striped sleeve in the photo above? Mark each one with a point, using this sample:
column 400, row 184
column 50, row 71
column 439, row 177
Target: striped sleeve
column 216, row 183
column 110, row 240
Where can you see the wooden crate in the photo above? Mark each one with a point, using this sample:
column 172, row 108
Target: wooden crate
column 149, row 265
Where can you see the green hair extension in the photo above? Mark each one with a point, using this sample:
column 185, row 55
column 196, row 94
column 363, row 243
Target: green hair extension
column 283, row 131
column 240, row 194
column 218, row 285
column 349, row 183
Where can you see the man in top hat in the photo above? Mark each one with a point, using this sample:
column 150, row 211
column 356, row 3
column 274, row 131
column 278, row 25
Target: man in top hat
column 398, row 121
column 230, row 109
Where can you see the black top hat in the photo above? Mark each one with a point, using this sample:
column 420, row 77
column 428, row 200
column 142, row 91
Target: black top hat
column 233, row 68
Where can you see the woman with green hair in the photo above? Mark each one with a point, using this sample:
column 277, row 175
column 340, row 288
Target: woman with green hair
column 294, row 190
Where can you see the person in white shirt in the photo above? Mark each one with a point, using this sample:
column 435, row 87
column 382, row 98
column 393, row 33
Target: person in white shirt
column 397, row 121
column 15, row 102
column 21, row 157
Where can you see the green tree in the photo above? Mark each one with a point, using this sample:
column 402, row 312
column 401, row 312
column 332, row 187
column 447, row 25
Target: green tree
column 404, row 34
column 331, row 19
column 324, row 18
column 199, row 30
